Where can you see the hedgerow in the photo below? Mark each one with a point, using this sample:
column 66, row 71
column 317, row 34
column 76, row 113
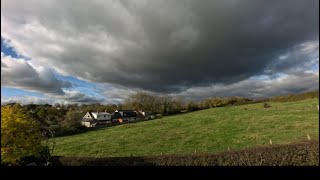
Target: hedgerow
column 295, row 154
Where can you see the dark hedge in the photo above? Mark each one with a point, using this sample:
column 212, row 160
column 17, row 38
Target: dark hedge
column 294, row 154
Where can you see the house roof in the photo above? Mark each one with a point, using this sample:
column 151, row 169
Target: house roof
column 100, row 113
column 125, row 110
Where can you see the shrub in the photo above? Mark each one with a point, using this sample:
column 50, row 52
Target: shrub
column 266, row 105
column 294, row 154
column 42, row 158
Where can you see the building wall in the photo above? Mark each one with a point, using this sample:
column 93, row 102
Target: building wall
column 86, row 124
column 102, row 116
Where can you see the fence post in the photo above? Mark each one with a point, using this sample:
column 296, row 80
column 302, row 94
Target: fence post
column 308, row 137
column 270, row 141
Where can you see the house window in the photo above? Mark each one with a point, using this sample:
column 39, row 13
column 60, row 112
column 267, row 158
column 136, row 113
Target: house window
column 104, row 116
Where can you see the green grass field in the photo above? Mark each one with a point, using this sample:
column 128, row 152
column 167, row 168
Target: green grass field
column 205, row 131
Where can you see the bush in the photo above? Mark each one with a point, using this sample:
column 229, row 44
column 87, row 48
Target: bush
column 42, row 158
column 266, row 105
column 64, row 131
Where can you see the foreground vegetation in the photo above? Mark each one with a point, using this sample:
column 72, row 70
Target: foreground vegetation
column 205, row 131
column 21, row 137
column 295, row 154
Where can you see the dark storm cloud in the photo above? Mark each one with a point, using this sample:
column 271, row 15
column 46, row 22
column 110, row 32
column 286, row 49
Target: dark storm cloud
column 161, row 46
column 78, row 97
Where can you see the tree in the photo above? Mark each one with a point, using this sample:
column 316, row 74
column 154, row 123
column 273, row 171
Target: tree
column 20, row 135
column 176, row 105
column 143, row 101
column 192, row 106
column 165, row 103
column 72, row 119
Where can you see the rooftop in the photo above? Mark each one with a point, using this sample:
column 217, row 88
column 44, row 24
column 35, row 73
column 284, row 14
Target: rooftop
column 101, row 113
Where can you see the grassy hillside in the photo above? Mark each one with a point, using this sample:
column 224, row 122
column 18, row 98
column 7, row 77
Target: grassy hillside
column 211, row 130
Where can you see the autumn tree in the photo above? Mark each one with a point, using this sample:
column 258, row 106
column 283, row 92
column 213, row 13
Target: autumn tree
column 143, row 101
column 176, row 105
column 20, row 135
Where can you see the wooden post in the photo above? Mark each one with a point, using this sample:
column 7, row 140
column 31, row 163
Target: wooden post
column 308, row 137
column 228, row 148
column 270, row 142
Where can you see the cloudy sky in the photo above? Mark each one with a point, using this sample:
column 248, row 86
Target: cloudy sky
column 102, row 51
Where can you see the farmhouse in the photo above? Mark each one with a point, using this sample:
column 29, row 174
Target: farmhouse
column 92, row 119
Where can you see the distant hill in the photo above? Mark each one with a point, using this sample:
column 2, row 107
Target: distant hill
column 296, row 97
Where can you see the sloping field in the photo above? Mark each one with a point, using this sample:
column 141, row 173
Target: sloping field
column 206, row 131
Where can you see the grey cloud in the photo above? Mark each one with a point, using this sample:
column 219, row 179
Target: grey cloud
column 299, row 58
column 78, row 97
column 117, row 93
column 70, row 97
column 25, row 100
column 257, row 88
column 161, row 46
column 18, row 73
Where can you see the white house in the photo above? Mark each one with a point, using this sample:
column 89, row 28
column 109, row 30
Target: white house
column 91, row 119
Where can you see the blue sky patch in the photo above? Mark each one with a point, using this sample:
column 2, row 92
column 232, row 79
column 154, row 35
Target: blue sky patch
column 88, row 88
column 9, row 51
column 8, row 91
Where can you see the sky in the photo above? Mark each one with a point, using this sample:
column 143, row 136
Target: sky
column 97, row 51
